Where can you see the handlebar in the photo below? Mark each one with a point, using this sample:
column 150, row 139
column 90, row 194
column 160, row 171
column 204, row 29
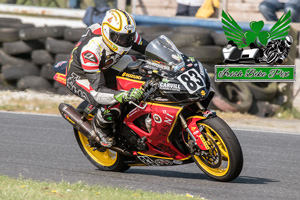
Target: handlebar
column 153, row 87
column 131, row 102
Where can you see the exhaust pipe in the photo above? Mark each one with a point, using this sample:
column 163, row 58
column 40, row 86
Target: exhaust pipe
column 69, row 113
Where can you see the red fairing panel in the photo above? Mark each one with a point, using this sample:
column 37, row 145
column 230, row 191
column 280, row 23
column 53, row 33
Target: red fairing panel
column 163, row 119
column 127, row 84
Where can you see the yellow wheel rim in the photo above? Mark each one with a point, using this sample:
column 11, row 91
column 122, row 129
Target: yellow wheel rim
column 106, row 158
column 225, row 161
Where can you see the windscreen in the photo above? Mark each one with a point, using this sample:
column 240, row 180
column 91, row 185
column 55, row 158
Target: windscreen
column 164, row 50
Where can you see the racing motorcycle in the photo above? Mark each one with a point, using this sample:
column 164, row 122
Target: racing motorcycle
column 274, row 52
column 171, row 125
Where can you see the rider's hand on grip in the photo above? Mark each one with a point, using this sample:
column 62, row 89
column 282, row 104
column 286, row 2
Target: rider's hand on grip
column 133, row 94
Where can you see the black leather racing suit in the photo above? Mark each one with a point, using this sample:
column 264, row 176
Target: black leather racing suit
column 89, row 70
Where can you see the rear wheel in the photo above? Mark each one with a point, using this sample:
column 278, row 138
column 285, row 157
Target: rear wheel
column 224, row 159
column 104, row 159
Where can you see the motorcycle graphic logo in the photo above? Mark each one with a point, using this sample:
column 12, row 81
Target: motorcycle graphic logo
column 261, row 46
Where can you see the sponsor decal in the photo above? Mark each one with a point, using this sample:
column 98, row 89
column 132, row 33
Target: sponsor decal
column 168, row 120
column 114, row 47
column 209, row 113
column 157, row 118
column 259, row 44
column 179, row 66
column 90, row 107
column 176, row 57
column 158, row 65
column 201, row 68
column 165, row 123
column 89, row 57
column 68, row 118
column 147, row 161
column 259, row 73
column 164, row 162
column 190, row 65
column 169, row 86
column 161, row 99
column 155, row 161
column 192, row 59
column 132, row 76
column 203, row 93
column 109, row 19
column 70, row 83
column 203, row 141
column 165, row 127
column 166, row 113
column 129, row 27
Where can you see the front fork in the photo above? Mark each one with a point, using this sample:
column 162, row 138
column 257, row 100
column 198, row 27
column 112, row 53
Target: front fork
column 191, row 127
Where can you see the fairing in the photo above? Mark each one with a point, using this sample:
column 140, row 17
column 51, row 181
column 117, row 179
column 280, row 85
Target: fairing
column 163, row 119
column 188, row 73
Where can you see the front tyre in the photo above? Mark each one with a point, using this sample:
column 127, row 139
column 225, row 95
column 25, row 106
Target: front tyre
column 104, row 159
column 224, row 160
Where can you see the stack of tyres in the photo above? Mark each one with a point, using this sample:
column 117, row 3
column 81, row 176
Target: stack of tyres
column 27, row 54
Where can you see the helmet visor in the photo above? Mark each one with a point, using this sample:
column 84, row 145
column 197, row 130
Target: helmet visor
column 122, row 39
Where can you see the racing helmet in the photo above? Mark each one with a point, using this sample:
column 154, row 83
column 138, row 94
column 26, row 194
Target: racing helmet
column 118, row 31
column 288, row 41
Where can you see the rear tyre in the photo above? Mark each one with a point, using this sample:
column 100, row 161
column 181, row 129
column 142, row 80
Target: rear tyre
column 224, row 160
column 106, row 160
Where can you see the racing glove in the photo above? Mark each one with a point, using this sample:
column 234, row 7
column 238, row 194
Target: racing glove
column 132, row 95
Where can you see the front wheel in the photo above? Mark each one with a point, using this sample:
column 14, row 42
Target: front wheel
column 106, row 159
column 224, row 159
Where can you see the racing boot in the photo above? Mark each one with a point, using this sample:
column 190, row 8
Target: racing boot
column 102, row 125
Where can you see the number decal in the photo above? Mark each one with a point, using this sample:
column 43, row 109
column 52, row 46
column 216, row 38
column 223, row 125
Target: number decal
column 191, row 80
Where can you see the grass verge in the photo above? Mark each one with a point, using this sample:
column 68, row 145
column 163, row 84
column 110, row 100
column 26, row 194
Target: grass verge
column 288, row 113
column 34, row 102
column 28, row 189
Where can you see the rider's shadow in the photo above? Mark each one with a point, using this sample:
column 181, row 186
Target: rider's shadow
column 167, row 173
column 199, row 176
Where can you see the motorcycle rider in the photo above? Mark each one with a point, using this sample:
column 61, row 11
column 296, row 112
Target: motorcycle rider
column 89, row 70
column 281, row 47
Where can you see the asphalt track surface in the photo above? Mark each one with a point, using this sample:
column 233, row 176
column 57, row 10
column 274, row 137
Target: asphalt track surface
column 43, row 147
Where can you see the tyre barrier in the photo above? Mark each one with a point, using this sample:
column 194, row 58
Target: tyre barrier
column 263, row 91
column 27, row 54
column 264, row 109
column 232, row 97
column 260, row 99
